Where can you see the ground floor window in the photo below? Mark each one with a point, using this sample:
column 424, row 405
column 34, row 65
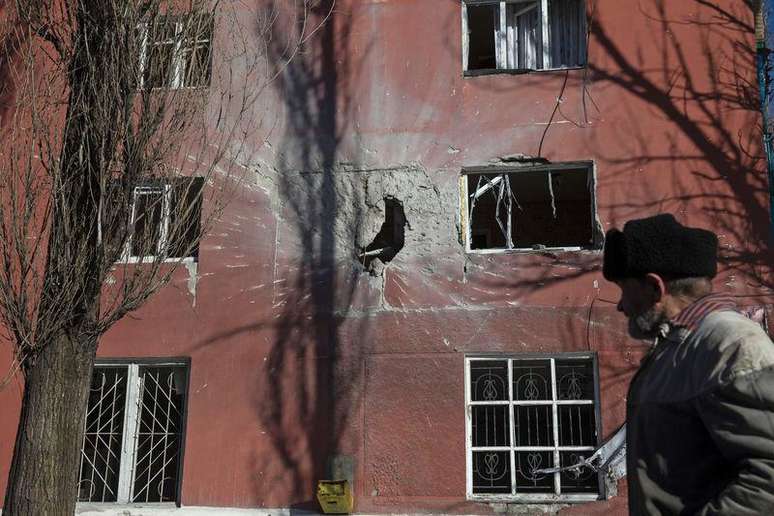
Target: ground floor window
column 133, row 432
column 525, row 414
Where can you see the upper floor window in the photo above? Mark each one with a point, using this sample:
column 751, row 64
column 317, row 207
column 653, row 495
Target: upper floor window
column 526, row 415
column 165, row 220
column 177, row 52
column 538, row 207
column 523, row 35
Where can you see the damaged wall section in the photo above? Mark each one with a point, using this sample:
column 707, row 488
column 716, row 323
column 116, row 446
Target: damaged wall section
column 364, row 210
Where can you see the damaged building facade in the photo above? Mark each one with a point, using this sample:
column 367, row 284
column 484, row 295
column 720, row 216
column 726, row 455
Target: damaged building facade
column 406, row 291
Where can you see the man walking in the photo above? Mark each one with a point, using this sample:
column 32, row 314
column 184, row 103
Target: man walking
column 700, row 410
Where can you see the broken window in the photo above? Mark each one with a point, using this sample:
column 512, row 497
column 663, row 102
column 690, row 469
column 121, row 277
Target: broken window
column 177, row 52
column 132, row 442
column 523, row 34
column 526, row 415
column 166, row 220
column 539, row 207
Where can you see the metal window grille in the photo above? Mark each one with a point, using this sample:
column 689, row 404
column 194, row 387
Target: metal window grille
column 529, row 414
column 524, row 34
column 133, row 434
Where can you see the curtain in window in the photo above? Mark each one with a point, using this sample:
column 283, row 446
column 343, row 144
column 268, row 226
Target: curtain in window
column 523, row 37
column 567, row 29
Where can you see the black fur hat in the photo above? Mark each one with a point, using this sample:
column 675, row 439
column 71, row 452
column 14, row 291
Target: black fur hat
column 661, row 245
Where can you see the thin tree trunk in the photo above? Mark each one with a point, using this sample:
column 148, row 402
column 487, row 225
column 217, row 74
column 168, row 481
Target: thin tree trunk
column 44, row 472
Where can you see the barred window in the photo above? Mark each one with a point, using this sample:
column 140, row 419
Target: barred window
column 132, row 443
column 527, row 414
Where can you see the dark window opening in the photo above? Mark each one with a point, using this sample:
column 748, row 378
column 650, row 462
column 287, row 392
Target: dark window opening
column 148, row 219
column 481, row 24
column 391, row 237
column 531, row 209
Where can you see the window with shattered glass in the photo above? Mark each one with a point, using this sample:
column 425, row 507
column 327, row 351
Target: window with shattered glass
column 530, row 208
column 526, row 415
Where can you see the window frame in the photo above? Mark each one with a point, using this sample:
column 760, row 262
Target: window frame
column 515, row 497
column 183, row 46
column 467, row 230
column 545, row 37
column 166, row 188
column 129, row 442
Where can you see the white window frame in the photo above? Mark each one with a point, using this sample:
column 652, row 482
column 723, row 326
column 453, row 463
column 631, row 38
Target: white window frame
column 131, row 430
column 504, row 50
column 178, row 56
column 466, row 221
column 556, row 449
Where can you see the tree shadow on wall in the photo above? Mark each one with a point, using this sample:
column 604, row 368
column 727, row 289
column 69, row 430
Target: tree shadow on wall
column 311, row 386
column 698, row 98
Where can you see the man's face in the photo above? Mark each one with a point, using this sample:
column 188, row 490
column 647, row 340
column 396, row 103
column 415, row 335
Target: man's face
column 640, row 303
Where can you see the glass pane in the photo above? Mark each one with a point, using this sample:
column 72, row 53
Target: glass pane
column 533, row 425
column 580, row 480
column 162, row 395
column 185, row 217
column 577, row 426
column 575, row 379
column 491, row 472
column 489, row 380
column 147, row 223
column 526, row 478
column 490, row 425
column 531, row 380
column 103, row 435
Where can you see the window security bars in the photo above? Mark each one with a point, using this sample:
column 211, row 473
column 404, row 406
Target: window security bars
column 523, row 34
column 133, row 432
column 525, row 415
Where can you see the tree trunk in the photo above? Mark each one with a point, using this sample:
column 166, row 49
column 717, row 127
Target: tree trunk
column 46, row 459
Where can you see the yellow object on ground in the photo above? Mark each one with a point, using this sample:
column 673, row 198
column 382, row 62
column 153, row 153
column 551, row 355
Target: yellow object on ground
column 335, row 496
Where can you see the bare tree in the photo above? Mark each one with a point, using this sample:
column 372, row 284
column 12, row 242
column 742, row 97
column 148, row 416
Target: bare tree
column 124, row 123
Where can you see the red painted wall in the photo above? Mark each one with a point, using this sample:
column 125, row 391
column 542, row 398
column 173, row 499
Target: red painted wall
column 297, row 353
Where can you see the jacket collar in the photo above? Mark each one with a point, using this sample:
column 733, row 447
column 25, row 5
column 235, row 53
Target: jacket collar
column 692, row 315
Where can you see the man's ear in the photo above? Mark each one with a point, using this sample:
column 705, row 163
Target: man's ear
column 658, row 285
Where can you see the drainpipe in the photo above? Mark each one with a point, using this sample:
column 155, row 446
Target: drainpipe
column 764, row 39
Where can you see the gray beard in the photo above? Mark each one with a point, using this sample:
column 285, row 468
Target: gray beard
column 647, row 325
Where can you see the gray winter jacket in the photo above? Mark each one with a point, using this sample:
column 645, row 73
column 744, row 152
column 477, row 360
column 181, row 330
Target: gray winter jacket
column 700, row 421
